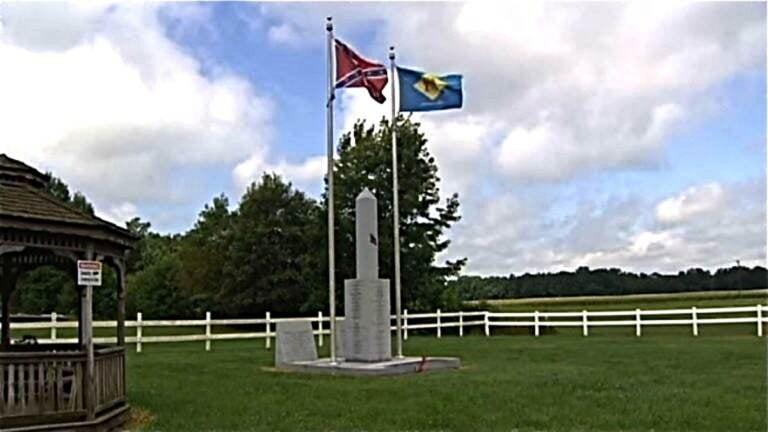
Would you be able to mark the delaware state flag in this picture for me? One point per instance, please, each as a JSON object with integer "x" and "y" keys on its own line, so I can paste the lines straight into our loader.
{"x": 420, "y": 91}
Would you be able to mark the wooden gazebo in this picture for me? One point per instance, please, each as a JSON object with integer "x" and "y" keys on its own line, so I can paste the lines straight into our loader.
{"x": 57, "y": 386}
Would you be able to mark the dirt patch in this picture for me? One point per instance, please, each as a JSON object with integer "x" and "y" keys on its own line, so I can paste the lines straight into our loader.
{"x": 141, "y": 419}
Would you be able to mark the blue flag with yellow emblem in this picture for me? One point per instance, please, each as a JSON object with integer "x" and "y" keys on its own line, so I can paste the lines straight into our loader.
{"x": 421, "y": 91}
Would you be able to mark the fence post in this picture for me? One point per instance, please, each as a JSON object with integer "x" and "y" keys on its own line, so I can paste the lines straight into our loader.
{"x": 461, "y": 324}
{"x": 536, "y": 323}
{"x": 138, "y": 332}
{"x": 207, "y": 331}
{"x": 694, "y": 321}
{"x": 320, "y": 328}
{"x": 759, "y": 320}
{"x": 584, "y": 328}
{"x": 405, "y": 324}
{"x": 53, "y": 325}
{"x": 268, "y": 344}
{"x": 638, "y": 330}
{"x": 487, "y": 325}
{"x": 439, "y": 332}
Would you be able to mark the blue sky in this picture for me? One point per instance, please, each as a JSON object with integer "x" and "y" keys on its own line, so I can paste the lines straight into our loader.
{"x": 621, "y": 135}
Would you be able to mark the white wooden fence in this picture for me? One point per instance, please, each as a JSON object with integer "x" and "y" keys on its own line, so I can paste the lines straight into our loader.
{"x": 693, "y": 317}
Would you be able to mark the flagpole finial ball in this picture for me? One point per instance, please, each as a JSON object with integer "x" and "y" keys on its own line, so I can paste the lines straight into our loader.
{"x": 329, "y": 23}
{"x": 391, "y": 53}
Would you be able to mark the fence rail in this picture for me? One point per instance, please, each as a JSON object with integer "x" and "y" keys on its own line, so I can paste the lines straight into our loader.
{"x": 536, "y": 320}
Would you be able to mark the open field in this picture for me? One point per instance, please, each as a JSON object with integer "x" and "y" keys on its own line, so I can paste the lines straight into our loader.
{"x": 561, "y": 383}
{"x": 628, "y": 302}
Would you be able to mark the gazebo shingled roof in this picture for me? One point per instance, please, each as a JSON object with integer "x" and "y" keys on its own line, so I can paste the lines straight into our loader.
{"x": 36, "y": 228}
{"x": 25, "y": 204}
{"x": 13, "y": 167}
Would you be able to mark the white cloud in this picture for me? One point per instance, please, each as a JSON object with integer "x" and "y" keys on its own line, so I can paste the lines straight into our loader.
{"x": 49, "y": 26}
{"x": 547, "y": 150}
{"x": 101, "y": 96}
{"x": 356, "y": 104}
{"x": 284, "y": 34}
{"x": 525, "y": 152}
{"x": 308, "y": 173}
{"x": 460, "y": 145}
{"x": 310, "y": 170}
{"x": 723, "y": 222}
{"x": 305, "y": 175}
{"x": 519, "y": 233}
{"x": 693, "y": 202}
{"x": 119, "y": 214}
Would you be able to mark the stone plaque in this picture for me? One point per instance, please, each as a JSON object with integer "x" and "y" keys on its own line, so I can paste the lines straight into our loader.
{"x": 367, "y": 335}
{"x": 295, "y": 342}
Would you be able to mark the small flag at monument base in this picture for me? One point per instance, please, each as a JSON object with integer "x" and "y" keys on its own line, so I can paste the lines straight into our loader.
{"x": 420, "y": 91}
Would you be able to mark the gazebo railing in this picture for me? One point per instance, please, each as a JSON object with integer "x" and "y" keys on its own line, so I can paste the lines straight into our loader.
{"x": 109, "y": 374}
{"x": 46, "y": 383}
{"x": 41, "y": 383}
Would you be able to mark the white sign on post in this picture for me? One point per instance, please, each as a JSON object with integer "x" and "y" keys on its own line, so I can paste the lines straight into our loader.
{"x": 89, "y": 273}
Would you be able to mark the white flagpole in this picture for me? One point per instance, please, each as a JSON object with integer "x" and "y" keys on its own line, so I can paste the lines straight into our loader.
{"x": 331, "y": 264}
{"x": 395, "y": 208}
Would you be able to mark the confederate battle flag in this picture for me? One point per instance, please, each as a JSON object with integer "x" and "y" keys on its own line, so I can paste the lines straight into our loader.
{"x": 355, "y": 71}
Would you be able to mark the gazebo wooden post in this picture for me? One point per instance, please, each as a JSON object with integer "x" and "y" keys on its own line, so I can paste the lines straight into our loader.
{"x": 80, "y": 294}
{"x": 5, "y": 288}
{"x": 7, "y": 285}
{"x": 120, "y": 266}
{"x": 87, "y": 334}
{"x": 120, "y": 301}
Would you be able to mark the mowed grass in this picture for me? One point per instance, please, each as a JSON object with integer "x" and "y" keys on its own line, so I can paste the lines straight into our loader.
{"x": 668, "y": 381}
{"x": 701, "y": 299}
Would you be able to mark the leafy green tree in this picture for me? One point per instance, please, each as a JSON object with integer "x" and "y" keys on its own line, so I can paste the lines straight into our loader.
{"x": 57, "y": 188}
{"x": 136, "y": 261}
{"x": 202, "y": 254}
{"x": 152, "y": 290}
{"x": 151, "y": 274}
{"x": 105, "y": 296}
{"x": 605, "y": 282}
{"x": 80, "y": 201}
{"x": 365, "y": 160}
{"x": 60, "y": 190}
{"x": 44, "y": 290}
{"x": 272, "y": 259}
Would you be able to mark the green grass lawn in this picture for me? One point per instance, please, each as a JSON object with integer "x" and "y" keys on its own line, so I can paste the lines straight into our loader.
{"x": 628, "y": 302}
{"x": 563, "y": 382}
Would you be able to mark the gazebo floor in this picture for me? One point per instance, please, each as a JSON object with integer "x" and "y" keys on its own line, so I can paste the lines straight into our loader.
{"x": 111, "y": 420}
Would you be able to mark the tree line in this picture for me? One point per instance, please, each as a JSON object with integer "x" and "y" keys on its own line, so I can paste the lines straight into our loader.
{"x": 612, "y": 281}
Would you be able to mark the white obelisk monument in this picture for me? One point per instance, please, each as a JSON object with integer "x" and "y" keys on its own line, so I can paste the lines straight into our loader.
{"x": 366, "y": 299}
{"x": 365, "y": 333}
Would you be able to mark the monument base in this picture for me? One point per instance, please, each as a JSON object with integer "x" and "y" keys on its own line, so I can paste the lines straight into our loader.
{"x": 367, "y": 334}
{"x": 403, "y": 366}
